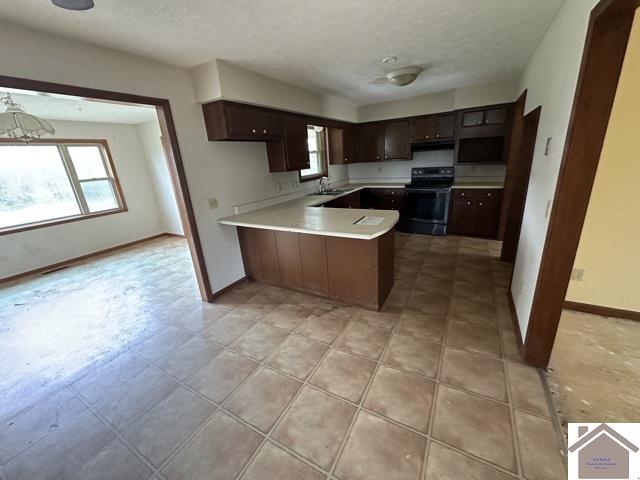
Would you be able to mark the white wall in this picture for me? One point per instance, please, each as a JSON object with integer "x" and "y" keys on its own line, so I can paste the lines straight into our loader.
{"x": 219, "y": 79}
{"x": 40, "y": 247}
{"x": 150, "y": 139}
{"x": 468, "y": 97}
{"x": 550, "y": 80}
{"x": 233, "y": 172}
{"x": 398, "y": 171}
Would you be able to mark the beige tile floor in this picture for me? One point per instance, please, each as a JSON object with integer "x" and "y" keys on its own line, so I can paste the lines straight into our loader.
{"x": 595, "y": 350}
{"x": 113, "y": 369}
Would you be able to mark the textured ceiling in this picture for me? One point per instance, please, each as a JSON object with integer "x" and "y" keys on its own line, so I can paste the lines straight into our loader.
{"x": 332, "y": 46}
{"x": 63, "y": 107}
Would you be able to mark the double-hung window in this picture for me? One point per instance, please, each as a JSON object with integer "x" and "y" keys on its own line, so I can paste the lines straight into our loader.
{"x": 317, "y": 146}
{"x": 44, "y": 183}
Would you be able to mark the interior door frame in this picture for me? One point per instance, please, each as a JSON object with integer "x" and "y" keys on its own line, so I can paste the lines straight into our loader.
{"x": 173, "y": 157}
{"x": 524, "y": 159}
{"x": 603, "y": 56}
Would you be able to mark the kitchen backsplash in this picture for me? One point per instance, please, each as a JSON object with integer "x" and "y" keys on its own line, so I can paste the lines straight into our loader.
{"x": 400, "y": 171}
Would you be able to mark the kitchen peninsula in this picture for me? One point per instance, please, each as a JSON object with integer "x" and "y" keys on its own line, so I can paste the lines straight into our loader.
{"x": 346, "y": 254}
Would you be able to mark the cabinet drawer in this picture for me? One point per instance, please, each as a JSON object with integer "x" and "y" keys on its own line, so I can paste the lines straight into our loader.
{"x": 489, "y": 193}
{"x": 464, "y": 193}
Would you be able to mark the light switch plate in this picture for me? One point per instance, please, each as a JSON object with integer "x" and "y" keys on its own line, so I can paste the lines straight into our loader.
{"x": 213, "y": 203}
{"x": 577, "y": 274}
{"x": 547, "y": 147}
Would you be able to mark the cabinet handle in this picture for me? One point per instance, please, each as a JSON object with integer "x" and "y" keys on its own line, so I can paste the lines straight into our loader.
{"x": 346, "y": 159}
{"x": 264, "y": 131}
{"x": 462, "y": 194}
{"x": 468, "y": 203}
{"x": 488, "y": 194}
{"x": 427, "y": 137}
{"x": 378, "y": 158}
{"x": 480, "y": 203}
{"x": 479, "y": 122}
{"x": 253, "y": 130}
{"x": 437, "y": 135}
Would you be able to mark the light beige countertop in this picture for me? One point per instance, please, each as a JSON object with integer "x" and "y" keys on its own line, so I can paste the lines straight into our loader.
{"x": 476, "y": 184}
{"x": 302, "y": 215}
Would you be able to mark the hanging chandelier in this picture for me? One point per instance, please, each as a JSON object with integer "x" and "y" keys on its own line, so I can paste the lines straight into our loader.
{"x": 20, "y": 125}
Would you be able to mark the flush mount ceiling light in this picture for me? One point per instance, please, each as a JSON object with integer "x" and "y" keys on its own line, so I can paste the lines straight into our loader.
{"x": 20, "y": 125}
{"x": 74, "y": 4}
{"x": 403, "y": 76}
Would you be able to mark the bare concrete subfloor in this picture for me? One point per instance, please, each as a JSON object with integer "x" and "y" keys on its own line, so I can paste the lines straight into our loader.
{"x": 594, "y": 369}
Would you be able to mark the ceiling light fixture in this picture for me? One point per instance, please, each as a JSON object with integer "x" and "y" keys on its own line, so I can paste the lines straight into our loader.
{"x": 403, "y": 76}
{"x": 74, "y": 4}
{"x": 20, "y": 125}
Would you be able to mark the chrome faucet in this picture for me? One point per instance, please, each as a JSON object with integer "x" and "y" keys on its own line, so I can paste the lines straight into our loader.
{"x": 322, "y": 186}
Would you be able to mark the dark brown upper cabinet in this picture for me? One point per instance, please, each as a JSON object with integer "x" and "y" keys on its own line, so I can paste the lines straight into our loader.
{"x": 484, "y": 122}
{"x": 434, "y": 128}
{"x": 370, "y": 140}
{"x": 396, "y": 140}
{"x": 235, "y": 121}
{"x": 342, "y": 145}
{"x": 291, "y": 152}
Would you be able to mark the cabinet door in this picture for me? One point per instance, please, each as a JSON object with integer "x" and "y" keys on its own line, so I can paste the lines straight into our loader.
{"x": 445, "y": 126}
{"x": 266, "y": 243}
{"x": 349, "y": 143}
{"x": 289, "y": 259}
{"x": 396, "y": 141}
{"x": 495, "y": 115}
{"x": 370, "y": 142}
{"x": 487, "y": 217}
{"x": 268, "y": 124}
{"x": 472, "y": 119}
{"x": 313, "y": 261}
{"x": 422, "y": 129}
{"x": 342, "y": 145}
{"x": 462, "y": 217}
{"x": 241, "y": 120}
{"x": 296, "y": 146}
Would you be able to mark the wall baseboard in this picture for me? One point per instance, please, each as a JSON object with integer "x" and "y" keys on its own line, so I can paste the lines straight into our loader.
{"x": 516, "y": 323}
{"x": 231, "y": 286}
{"x": 603, "y": 311}
{"x": 177, "y": 235}
{"x": 64, "y": 263}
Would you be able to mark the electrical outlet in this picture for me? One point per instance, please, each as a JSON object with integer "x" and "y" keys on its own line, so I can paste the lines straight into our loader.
{"x": 279, "y": 186}
{"x": 213, "y": 203}
{"x": 547, "y": 147}
{"x": 293, "y": 184}
{"x": 577, "y": 274}
{"x": 379, "y": 169}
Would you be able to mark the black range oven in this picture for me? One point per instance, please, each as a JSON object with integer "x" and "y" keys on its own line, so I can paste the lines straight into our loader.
{"x": 427, "y": 200}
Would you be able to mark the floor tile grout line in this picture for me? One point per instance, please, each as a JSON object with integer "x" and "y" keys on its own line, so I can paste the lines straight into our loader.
{"x": 333, "y": 345}
{"x": 280, "y": 418}
{"x": 117, "y": 434}
{"x": 360, "y": 405}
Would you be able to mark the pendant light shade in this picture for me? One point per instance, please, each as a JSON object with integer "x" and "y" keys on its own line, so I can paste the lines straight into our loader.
{"x": 18, "y": 124}
{"x": 74, "y": 4}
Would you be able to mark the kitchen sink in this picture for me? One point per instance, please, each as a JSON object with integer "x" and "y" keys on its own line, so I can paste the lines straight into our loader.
{"x": 336, "y": 191}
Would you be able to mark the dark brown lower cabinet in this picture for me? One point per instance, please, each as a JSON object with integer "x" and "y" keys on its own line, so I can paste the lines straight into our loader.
{"x": 475, "y": 212}
{"x": 353, "y": 271}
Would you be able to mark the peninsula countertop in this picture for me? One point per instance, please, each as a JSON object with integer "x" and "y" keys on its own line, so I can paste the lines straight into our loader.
{"x": 304, "y": 215}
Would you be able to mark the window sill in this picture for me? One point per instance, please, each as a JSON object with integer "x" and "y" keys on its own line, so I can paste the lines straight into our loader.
{"x": 58, "y": 221}
{"x": 311, "y": 178}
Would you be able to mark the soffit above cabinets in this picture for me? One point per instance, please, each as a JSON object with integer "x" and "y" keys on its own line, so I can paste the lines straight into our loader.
{"x": 331, "y": 47}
